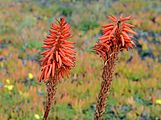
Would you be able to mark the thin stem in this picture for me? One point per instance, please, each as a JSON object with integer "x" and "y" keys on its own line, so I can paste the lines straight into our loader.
{"x": 106, "y": 84}
{"x": 51, "y": 89}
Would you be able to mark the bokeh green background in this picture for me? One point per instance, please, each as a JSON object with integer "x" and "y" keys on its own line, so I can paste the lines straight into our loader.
{"x": 136, "y": 89}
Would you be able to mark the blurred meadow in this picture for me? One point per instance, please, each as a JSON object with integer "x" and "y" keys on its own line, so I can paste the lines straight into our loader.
{"x": 136, "y": 88}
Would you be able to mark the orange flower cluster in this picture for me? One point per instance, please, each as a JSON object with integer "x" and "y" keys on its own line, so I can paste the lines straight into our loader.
{"x": 115, "y": 35}
{"x": 59, "y": 55}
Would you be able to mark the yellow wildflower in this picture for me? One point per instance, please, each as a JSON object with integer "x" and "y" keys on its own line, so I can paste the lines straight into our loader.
{"x": 158, "y": 101}
{"x": 37, "y": 117}
{"x": 30, "y": 76}
{"x": 8, "y": 81}
{"x": 9, "y": 87}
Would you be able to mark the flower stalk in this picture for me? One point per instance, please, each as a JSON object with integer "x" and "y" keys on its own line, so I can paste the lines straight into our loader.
{"x": 51, "y": 91}
{"x": 115, "y": 38}
{"x": 59, "y": 58}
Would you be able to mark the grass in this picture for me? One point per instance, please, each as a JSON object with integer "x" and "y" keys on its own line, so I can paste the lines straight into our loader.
{"x": 136, "y": 86}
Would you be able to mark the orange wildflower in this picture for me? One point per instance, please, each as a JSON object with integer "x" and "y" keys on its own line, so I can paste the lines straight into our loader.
{"x": 59, "y": 55}
{"x": 115, "y": 34}
{"x": 58, "y": 58}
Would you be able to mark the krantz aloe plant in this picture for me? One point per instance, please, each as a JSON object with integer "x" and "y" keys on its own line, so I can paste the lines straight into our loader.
{"x": 116, "y": 37}
{"x": 58, "y": 59}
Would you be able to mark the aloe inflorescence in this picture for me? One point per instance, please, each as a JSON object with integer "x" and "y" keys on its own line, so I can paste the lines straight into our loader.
{"x": 58, "y": 58}
{"x": 116, "y": 36}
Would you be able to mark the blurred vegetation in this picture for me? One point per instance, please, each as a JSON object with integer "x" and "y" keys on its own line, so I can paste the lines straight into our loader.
{"x": 136, "y": 88}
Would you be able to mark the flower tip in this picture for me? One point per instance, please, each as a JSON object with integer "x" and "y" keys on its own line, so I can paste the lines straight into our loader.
{"x": 62, "y": 19}
{"x": 112, "y": 18}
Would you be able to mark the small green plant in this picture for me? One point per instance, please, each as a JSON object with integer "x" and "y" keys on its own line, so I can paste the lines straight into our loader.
{"x": 66, "y": 11}
{"x": 87, "y": 25}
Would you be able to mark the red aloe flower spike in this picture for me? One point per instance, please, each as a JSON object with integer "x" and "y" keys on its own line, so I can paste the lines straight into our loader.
{"x": 58, "y": 59}
{"x": 115, "y": 38}
{"x": 57, "y": 45}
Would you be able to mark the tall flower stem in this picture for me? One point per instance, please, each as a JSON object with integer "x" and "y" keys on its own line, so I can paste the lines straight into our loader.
{"x": 116, "y": 37}
{"x": 58, "y": 59}
{"x": 50, "y": 98}
{"x": 106, "y": 84}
